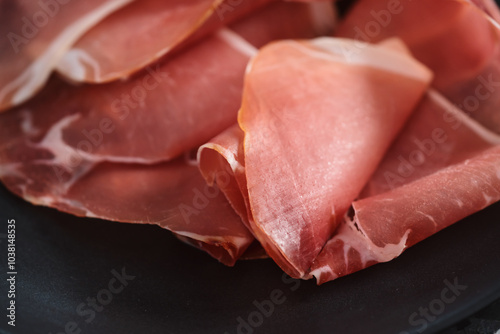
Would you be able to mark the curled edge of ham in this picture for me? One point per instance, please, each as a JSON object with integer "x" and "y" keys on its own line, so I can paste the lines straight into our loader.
{"x": 81, "y": 63}
{"x": 34, "y": 76}
{"x": 378, "y": 231}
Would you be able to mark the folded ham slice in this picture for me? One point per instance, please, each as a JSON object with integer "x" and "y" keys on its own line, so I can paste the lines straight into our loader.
{"x": 309, "y": 117}
{"x": 456, "y": 39}
{"x": 443, "y": 167}
{"x": 35, "y": 36}
{"x": 112, "y": 50}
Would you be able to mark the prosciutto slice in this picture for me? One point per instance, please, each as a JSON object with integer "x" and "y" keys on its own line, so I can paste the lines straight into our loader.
{"x": 443, "y": 167}
{"x": 172, "y": 195}
{"x": 457, "y": 40}
{"x": 35, "y": 36}
{"x": 112, "y": 50}
{"x": 307, "y": 128}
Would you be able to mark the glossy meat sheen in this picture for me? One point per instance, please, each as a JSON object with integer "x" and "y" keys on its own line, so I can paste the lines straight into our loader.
{"x": 454, "y": 38}
{"x": 305, "y": 138}
{"x": 35, "y": 35}
{"x": 112, "y": 50}
{"x": 454, "y": 171}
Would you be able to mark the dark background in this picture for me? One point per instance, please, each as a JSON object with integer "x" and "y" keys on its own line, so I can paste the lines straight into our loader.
{"x": 63, "y": 260}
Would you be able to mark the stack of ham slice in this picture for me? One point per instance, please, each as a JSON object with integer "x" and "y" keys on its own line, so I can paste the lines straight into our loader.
{"x": 235, "y": 123}
{"x": 116, "y": 151}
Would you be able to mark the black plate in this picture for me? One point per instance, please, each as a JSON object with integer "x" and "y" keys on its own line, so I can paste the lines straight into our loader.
{"x": 63, "y": 260}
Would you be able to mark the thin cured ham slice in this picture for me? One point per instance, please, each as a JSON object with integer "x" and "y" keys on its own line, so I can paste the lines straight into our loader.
{"x": 169, "y": 107}
{"x": 35, "y": 36}
{"x": 447, "y": 167}
{"x": 172, "y": 195}
{"x": 112, "y": 50}
{"x": 309, "y": 115}
{"x": 455, "y": 39}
